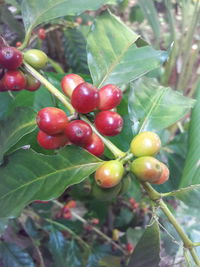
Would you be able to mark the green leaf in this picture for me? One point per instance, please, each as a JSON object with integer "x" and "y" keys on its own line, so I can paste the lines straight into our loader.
{"x": 113, "y": 56}
{"x": 75, "y": 50}
{"x": 29, "y": 176}
{"x": 40, "y": 11}
{"x": 14, "y": 127}
{"x": 13, "y": 256}
{"x": 189, "y": 195}
{"x": 65, "y": 253}
{"x": 5, "y": 102}
{"x": 58, "y": 247}
{"x": 191, "y": 172}
{"x": 147, "y": 251}
{"x": 150, "y": 13}
{"x": 153, "y": 107}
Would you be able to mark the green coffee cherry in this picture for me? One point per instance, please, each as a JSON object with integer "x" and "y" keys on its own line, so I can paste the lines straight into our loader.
{"x": 109, "y": 174}
{"x": 145, "y": 144}
{"x": 36, "y": 58}
{"x": 147, "y": 169}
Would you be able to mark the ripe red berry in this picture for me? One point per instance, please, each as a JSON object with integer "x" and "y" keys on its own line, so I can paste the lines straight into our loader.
{"x": 10, "y": 58}
{"x": 109, "y": 123}
{"x": 95, "y": 221}
{"x": 18, "y": 44}
{"x": 78, "y": 132}
{"x": 14, "y": 80}
{"x": 32, "y": 84}
{"x": 95, "y": 146}
{"x": 52, "y": 120}
{"x": 70, "y": 82}
{"x": 70, "y": 205}
{"x": 41, "y": 33}
{"x": 67, "y": 215}
{"x": 51, "y": 142}
{"x": 85, "y": 98}
{"x": 129, "y": 247}
{"x": 109, "y": 97}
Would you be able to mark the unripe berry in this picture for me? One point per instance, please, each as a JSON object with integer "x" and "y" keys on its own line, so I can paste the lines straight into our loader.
{"x": 51, "y": 142}
{"x": 10, "y": 58}
{"x": 36, "y": 58}
{"x": 32, "y": 84}
{"x": 52, "y": 120}
{"x": 14, "y": 80}
{"x": 79, "y": 20}
{"x": 164, "y": 175}
{"x": 147, "y": 169}
{"x": 85, "y": 98}
{"x": 108, "y": 123}
{"x": 41, "y": 33}
{"x": 109, "y": 174}
{"x": 78, "y": 132}
{"x": 145, "y": 144}
{"x": 95, "y": 146}
{"x": 109, "y": 97}
{"x": 70, "y": 82}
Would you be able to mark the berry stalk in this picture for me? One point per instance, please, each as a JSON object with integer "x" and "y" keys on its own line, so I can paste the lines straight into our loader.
{"x": 115, "y": 150}
{"x": 50, "y": 87}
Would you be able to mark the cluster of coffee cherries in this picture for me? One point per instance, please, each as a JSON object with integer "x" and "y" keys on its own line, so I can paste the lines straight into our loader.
{"x": 12, "y": 77}
{"x": 145, "y": 166}
{"x": 57, "y": 131}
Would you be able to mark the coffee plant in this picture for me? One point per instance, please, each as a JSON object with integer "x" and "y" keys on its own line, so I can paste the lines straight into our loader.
{"x": 99, "y": 134}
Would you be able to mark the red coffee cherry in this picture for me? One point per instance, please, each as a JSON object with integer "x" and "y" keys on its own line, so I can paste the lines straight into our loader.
{"x": 95, "y": 146}
{"x": 129, "y": 247}
{"x": 32, "y": 84}
{"x": 109, "y": 174}
{"x": 41, "y": 33}
{"x": 18, "y": 44}
{"x": 70, "y": 82}
{"x": 52, "y": 120}
{"x": 10, "y": 58}
{"x": 85, "y": 98}
{"x": 164, "y": 175}
{"x": 109, "y": 123}
{"x": 109, "y": 97}
{"x": 51, "y": 142}
{"x": 14, "y": 80}
{"x": 78, "y": 132}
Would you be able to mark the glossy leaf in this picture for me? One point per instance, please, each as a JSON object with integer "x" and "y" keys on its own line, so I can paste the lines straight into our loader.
{"x": 189, "y": 195}
{"x": 65, "y": 253}
{"x": 13, "y": 256}
{"x": 14, "y": 127}
{"x": 113, "y": 56}
{"x": 147, "y": 250}
{"x": 40, "y": 11}
{"x": 29, "y": 176}
{"x": 75, "y": 50}
{"x": 191, "y": 172}
{"x": 153, "y": 107}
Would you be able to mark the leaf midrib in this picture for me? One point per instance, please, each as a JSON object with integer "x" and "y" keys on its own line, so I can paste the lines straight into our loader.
{"x": 115, "y": 62}
{"x": 46, "y": 175}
